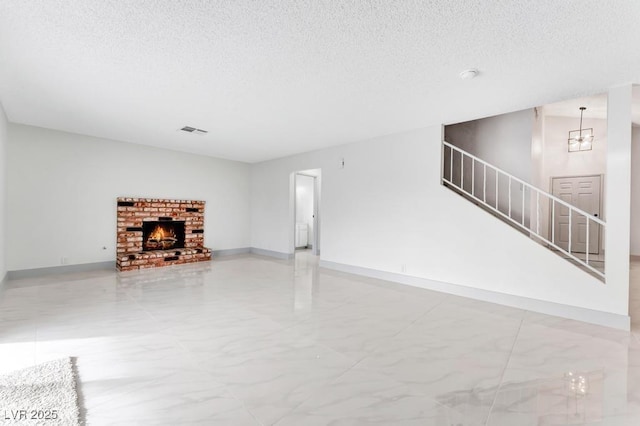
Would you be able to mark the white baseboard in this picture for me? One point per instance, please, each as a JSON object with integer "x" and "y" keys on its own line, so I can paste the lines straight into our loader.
{"x": 62, "y": 269}
{"x": 271, "y": 253}
{"x": 231, "y": 252}
{"x": 607, "y": 319}
{"x": 253, "y": 250}
{"x": 111, "y": 265}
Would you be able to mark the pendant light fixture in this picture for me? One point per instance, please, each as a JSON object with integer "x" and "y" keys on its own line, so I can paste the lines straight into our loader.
{"x": 582, "y": 139}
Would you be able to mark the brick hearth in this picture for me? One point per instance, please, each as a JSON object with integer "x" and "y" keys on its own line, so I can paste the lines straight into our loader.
{"x": 132, "y": 212}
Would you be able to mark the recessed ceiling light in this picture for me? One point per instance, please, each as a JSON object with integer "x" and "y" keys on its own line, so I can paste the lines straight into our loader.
{"x": 469, "y": 74}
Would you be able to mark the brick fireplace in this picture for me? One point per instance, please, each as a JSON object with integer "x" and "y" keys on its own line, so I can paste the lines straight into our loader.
{"x": 158, "y": 232}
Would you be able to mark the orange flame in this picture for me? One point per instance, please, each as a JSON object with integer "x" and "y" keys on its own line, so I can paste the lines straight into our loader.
{"x": 159, "y": 233}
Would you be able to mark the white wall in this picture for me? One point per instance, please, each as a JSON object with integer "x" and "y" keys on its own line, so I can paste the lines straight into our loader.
{"x": 304, "y": 203}
{"x": 635, "y": 191}
{"x": 62, "y": 191}
{"x": 3, "y": 191}
{"x": 386, "y": 209}
{"x": 618, "y": 190}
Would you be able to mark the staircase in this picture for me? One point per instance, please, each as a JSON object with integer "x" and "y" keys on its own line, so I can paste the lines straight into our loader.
{"x": 563, "y": 228}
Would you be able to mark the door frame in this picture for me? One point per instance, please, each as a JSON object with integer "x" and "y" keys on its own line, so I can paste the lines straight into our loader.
{"x": 600, "y": 248}
{"x": 316, "y": 211}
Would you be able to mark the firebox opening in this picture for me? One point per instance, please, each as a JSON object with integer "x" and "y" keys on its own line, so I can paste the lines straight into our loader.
{"x": 163, "y": 235}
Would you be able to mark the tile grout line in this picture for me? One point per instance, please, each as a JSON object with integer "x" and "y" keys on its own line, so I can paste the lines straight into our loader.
{"x": 190, "y": 354}
{"x": 191, "y": 358}
{"x": 360, "y": 360}
{"x": 504, "y": 370}
{"x": 175, "y": 341}
{"x": 426, "y": 313}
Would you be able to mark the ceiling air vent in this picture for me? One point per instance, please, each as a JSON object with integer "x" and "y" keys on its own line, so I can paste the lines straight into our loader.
{"x": 194, "y": 130}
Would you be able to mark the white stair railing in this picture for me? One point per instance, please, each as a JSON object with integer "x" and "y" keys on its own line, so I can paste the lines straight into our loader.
{"x": 493, "y": 188}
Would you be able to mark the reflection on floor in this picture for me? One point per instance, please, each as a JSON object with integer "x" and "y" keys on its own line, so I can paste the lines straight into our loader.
{"x": 252, "y": 340}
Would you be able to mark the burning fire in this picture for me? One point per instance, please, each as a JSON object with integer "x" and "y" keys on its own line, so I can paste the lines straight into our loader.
{"x": 159, "y": 234}
{"x": 161, "y": 238}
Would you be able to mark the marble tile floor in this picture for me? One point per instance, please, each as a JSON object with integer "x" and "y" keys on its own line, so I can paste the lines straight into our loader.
{"x": 250, "y": 340}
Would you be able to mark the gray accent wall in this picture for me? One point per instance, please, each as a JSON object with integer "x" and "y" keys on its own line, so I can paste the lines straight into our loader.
{"x": 503, "y": 141}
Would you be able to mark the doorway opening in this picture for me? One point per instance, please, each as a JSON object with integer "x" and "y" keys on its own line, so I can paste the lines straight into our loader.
{"x": 306, "y": 211}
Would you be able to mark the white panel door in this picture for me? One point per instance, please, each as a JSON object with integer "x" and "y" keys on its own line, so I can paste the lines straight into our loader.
{"x": 582, "y": 192}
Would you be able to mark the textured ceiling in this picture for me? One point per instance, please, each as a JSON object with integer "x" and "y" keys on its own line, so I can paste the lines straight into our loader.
{"x": 271, "y": 78}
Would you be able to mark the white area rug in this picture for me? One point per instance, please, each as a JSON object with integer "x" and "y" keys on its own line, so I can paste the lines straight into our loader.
{"x": 41, "y": 395}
